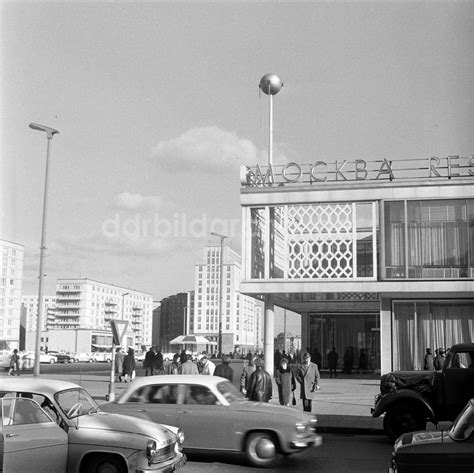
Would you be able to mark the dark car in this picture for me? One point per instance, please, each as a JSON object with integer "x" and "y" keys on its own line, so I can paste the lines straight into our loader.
{"x": 61, "y": 357}
{"x": 411, "y": 398}
{"x": 438, "y": 452}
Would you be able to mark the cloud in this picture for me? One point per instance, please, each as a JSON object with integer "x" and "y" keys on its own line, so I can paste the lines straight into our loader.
{"x": 208, "y": 147}
{"x": 138, "y": 202}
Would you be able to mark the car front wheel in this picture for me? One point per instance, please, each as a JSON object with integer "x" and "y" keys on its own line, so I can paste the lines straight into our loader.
{"x": 104, "y": 464}
{"x": 261, "y": 450}
{"x": 402, "y": 419}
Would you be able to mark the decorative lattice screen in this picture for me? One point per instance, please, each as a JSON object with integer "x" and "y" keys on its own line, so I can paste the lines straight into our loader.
{"x": 320, "y": 241}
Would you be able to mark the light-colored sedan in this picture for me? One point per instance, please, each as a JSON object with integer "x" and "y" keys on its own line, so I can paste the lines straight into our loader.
{"x": 217, "y": 418}
{"x": 50, "y": 426}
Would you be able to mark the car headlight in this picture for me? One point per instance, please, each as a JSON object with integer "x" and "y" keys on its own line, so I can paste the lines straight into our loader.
{"x": 150, "y": 449}
{"x": 180, "y": 436}
{"x": 300, "y": 427}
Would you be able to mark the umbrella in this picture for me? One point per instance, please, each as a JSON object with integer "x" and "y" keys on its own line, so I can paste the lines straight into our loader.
{"x": 191, "y": 340}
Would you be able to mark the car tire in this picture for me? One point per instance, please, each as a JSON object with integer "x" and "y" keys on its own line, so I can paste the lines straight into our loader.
{"x": 51, "y": 361}
{"x": 104, "y": 464}
{"x": 401, "y": 419}
{"x": 261, "y": 449}
{"x": 91, "y": 360}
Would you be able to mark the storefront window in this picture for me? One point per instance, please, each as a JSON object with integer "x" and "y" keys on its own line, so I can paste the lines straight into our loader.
{"x": 429, "y": 239}
{"x": 418, "y": 325}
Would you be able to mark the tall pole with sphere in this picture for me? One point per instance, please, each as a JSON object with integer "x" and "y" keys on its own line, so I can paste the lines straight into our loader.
{"x": 270, "y": 84}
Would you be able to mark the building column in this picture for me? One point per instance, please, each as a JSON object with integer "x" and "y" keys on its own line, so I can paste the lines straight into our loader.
{"x": 269, "y": 332}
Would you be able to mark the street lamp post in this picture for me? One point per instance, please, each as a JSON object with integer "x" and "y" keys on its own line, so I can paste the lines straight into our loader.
{"x": 50, "y": 132}
{"x": 221, "y": 290}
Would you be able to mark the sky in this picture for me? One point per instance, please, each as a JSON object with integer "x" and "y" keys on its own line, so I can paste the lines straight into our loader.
{"x": 158, "y": 106}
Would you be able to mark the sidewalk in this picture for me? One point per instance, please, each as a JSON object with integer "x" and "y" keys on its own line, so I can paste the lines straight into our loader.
{"x": 342, "y": 407}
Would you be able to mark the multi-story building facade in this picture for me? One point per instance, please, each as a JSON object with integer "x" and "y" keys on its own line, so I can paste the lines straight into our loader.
{"x": 376, "y": 255}
{"x": 30, "y": 304}
{"x": 173, "y": 319}
{"x": 288, "y": 342}
{"x": 88, "y": 304}
{"x": 10, "y": 294}
{"x": 238, "y": 311}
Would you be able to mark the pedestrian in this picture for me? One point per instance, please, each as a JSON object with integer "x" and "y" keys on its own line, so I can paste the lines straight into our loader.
{"x": 14, "y": 363}
{"x": 363, "y": 361}
{"x": 224, "y": 370}
{"x": 149, "y": 361}
{"x": 332, "y": 357}
{"x": 429, "y": 360}
{"x": 285, "y": 381}
{"x": 245, "y": 376}
{"x": 173, "y": 367}
{"x": 158, "y": 362}
{"x": 118, "y": 364}
{"x": 308, "y": 377}
{"x": 276, "y": 358}
{"x": 129, "y": 365}
{"x": 348, "y": 360}
{"x": 207, "y": 366}
{"x": 182, "y": 357}
{"x": 188, "y": 367}
{"x": 317, "y": 357}
{"x": 260, "y": 384}
{"x": 439, "y": 359}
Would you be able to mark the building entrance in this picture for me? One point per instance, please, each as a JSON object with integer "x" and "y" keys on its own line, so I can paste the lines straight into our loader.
{"x": 351, "y": 335}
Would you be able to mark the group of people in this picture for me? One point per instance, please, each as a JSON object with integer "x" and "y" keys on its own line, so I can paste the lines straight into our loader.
{"x": 256, "y": 382}
{"x": 434, "y": 361}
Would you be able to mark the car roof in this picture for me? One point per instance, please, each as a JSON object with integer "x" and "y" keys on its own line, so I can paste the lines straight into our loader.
{"x": 201, "y": 379}
{"x": 39, "y": 385}
{"x": 463, "y": 347}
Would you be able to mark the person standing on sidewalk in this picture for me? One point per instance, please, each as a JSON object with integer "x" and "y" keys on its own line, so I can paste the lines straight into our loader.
{"x": 207, "y": 366}
{"x": 260, "y": 386}
{"x": 285, "y": 381}
{"x": 333, "y": 357}
{"x": 158, "y": 362}
{"x": 246, "y": 373}
{"x": 129, "y": 365}
{"x": 308, "y": 377}
{"x": 14, "y": 364}
{"x": 149, "y": 362}
{"x": 118, "y": 364}
{"x": 224, "y": 370}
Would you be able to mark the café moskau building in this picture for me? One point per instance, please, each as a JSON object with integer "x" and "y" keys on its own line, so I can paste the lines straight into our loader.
{"x": 376, "y": 254}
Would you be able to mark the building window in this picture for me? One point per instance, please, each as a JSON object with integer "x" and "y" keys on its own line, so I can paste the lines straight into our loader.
{"x": 431, "y": 239}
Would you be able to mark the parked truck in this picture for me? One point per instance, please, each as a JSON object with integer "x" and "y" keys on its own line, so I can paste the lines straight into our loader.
{"x": 410, "y": 399}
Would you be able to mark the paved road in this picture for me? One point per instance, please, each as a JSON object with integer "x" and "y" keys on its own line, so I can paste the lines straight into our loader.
{"x": 338, "y": 454}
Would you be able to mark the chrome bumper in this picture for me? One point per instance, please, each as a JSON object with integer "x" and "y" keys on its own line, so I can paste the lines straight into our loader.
{"x": 313, "y": 441}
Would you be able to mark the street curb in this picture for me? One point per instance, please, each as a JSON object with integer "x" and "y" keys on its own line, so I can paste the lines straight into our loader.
{"x": 321, "y": 429}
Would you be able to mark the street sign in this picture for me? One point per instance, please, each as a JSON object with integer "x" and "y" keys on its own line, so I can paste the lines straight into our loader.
{"x": 119, "y": 327}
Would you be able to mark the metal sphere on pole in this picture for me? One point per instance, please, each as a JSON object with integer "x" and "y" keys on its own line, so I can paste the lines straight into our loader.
{"x": 221, "y": 290}
{"x": 270, "y": 84}
{"x": 50, "y": 132}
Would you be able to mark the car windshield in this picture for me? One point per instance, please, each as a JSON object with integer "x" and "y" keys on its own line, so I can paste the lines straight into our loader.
{"x": 75, "y": 402}
{"x": 463, "y": 426}
{"x": 229, "y": 391}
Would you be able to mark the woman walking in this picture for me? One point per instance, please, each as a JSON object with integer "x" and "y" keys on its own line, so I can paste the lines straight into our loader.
{"x": 129, "y": 365}
{"x": 285, "y": 381}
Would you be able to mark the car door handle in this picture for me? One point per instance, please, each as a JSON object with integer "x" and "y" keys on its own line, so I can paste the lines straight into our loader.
{"x": 12, "y": 435}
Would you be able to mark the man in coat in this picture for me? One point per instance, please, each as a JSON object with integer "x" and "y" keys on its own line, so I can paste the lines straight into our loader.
{"x": 149, "y": 362}
{"x": 188, "y": 367}
{"x": 207, "y": 366}
{"x": 308, "y": 377}
{"x": 333, "y": 357}
{"x": 260, "y": 386}
{"x": 245, "y": 377}
{"x": 224, "y": 370}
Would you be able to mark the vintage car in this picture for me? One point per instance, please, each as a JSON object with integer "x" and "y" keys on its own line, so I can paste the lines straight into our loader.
{"x": 411, "y": 398}
{"x": 55, "y": 426}
{"x": 61, "y": 357}
{"x": 217, "y": 418}
{"x": 438, "y": 451}
{"x": 83, "y": 357}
